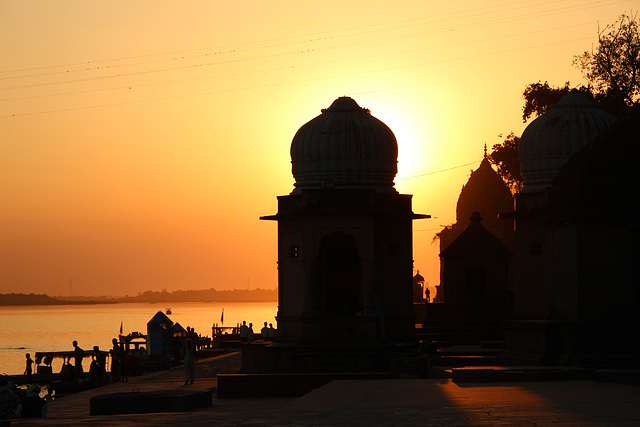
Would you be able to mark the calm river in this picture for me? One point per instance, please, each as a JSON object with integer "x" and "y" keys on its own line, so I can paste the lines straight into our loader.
{"x": 28, "y": 329}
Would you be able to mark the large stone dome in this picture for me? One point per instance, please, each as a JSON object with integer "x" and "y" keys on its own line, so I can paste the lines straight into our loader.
{"x": 551, "y": 139}
{"x": 600, "y": 182}
{"x": 344, "y": 147}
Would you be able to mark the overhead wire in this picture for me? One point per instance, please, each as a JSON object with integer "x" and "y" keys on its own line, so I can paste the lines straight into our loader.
{"x": 317, "y": 36}
{"x": 438, "y": 171}
{"x": 360, "y": 72}
{"x": 333, "y": 46}
{"x": 430, "y": 47}
{"x": 303, "y": 37}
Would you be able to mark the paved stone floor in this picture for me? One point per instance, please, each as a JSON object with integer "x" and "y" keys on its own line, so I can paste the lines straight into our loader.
{"x": 407, "y": 402}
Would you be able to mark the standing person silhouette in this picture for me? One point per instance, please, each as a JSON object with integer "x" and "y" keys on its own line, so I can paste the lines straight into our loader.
{"x": 78, "y": 355}
{"x": 272, "y": 332}
{"x": 29, "y": 368}
{"x": 250, "y": 334}
{"x": 189, "y": 361}
{"x": 191, "y": 333}
{"x": 115, "y": 360}
{"x": 123, "y": 364}
{"x": 265, "y": 332}
{"x": 98, "y": 366}
{"x": 244, "y": 330}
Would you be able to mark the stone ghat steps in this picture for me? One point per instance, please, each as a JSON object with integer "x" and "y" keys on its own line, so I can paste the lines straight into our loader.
{"x": 466, "y": 350}
{"x": 140, "y": 402}
{"x": 517, "y": 374}
{"x": 461, "y": 335}
{"x": 278, "y": 385}
{"x": 597, "y": 348}
{"x": 496, "y": 374}
{"x": 466, "y": 355}
{"x": 605, "y": 359}
{"x": 464, "y": 361}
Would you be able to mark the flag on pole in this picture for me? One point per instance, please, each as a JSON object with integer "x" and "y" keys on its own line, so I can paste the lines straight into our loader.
{"x": 121, "y": 327}
{"x": 222, "y": 317}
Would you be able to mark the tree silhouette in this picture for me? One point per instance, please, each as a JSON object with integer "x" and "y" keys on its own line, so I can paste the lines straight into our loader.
{"x": 505, "y": 157}
{"x": 612, "y": 71}
{"x": 539, "y": 97}
{"x": 613, "y": 67}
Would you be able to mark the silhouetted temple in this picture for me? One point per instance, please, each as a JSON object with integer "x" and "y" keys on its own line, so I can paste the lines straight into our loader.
{"x": 344, "y": 245}
{"x": 475, "y": 294}
{"x": 577, "y": 295}
{"x": 487, "y": 193}
{"x": 475, "y": 267}
{"x": 418, "y": 288}
{"x": 557, "y": 278}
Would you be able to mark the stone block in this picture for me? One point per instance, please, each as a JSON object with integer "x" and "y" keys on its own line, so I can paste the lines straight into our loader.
{"x": 149, "y": 401}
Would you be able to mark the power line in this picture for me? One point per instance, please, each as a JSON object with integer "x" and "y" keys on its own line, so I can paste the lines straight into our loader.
{"x": 194, "y": 66}
{"x": 438, "y": 171}
{"x": 262, "y": 70}
{"x": 282, "y": 83}
{"x": 302, "y": 36}
{"x": 218, "y": 51}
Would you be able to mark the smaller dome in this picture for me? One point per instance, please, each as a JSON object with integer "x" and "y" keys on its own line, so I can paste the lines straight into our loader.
{"x": 485, "y": 191}
{"x": 344, "y": 147}
{"x": 551, "y": 139}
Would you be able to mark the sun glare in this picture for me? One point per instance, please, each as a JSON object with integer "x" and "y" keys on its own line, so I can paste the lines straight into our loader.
{"x": 412, "y": 136}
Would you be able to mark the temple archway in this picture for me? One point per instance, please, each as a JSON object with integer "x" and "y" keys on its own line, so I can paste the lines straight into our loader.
{"x": 340, "y": 275}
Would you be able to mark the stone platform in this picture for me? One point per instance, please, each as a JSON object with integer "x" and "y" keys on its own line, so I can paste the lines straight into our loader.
{"x": 149, "y": 401}
{"x": 379, "y": 402}
{"x": 279, "y": 385}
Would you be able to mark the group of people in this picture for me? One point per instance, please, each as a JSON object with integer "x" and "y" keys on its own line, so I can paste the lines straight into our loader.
{"x": 16, "y": 403}
{"x": 268, "y": 333}
{"x": 98, "y": 369}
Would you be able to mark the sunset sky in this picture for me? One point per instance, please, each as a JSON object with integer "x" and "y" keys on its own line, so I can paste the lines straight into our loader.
{"x": 140, "y": 141}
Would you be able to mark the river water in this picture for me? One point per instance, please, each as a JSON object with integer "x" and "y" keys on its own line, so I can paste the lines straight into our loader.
{"x": 27, "y": 329}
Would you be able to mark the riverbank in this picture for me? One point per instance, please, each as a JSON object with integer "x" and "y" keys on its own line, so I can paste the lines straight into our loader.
{"x": 409, "y": 402}
{"x": 164, "y": 297}
{"x": 32, "y": 329}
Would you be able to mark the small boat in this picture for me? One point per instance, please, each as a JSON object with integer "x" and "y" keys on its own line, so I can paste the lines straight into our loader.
{"x": 167, "y": 311}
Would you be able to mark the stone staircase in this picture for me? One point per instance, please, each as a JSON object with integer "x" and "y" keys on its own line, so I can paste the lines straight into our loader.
{"x": 479, "y": 364}
{"x": 611, "y": 355}
{"x": 618, "y": 349}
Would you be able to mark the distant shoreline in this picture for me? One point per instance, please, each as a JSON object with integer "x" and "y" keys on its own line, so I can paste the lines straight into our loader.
{"x": 61, "y": 302}
{"x": 209, "y": 295}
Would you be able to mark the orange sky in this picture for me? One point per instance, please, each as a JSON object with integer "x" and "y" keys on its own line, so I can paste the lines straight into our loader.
{"x": 140, "y": 141}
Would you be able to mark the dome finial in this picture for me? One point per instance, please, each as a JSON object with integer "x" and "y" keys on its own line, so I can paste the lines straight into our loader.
{"x": 485, "y": 150}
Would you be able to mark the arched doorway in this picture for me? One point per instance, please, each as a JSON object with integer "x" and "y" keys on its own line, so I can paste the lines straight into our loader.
{"x": 340, "y": 275}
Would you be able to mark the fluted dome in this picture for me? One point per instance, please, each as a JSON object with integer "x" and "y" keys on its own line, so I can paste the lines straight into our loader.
{"x": 551, "y": 139}
{"x": 600, "y": 183}
{"x": 344, "y": 147}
